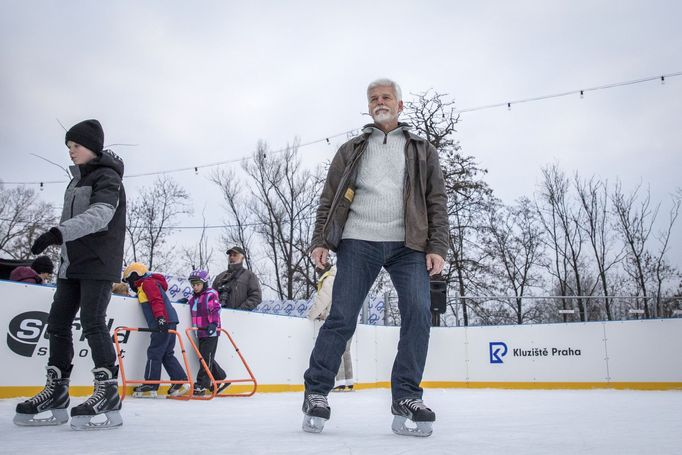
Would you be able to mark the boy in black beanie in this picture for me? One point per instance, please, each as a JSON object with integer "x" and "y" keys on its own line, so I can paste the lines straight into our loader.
{"x": 91, "y": 234}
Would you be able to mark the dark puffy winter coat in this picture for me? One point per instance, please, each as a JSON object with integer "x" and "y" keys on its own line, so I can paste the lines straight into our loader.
{"x": 93, "y": 220}
{"x": 238, "y": 288}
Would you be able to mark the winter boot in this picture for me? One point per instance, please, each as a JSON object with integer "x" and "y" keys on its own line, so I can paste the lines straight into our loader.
{"x": 54, "y": 397}
{"x": 223, "y": 386}
{"x": 415, "y": 410}
{"x": 145, "y": 391}
{"x": 178, "y": 390}
{"x": 317, "y": 412}
{"x": 104, "y": 400}
{"x": 199, "y": 390}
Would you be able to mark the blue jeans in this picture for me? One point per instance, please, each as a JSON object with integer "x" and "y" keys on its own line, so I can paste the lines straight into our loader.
{"x": 358, "y": 264}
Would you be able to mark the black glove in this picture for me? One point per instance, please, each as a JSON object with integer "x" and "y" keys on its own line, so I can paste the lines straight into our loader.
{"x": 51, "y": 237}
{"x": 211, "y": 328}
{"x": 163, "y": 325}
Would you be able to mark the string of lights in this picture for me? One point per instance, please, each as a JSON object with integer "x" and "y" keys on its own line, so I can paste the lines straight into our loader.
{"x": 349, "y": 133}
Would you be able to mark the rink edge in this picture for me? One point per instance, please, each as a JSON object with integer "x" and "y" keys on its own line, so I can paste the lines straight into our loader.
{"x": 27, "y": 391}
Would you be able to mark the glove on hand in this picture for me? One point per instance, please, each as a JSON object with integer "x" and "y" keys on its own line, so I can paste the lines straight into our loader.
{"x": 163, "y": 325}
{"x": 51, "y": 237}
{"x": 211, "y": 328}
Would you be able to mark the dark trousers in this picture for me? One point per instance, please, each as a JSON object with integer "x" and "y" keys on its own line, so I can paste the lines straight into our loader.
{"x": 92, "y": 298}
{"x": 207, "y": 349}
{"x": 161, "y": 352}
{"x": 358, "y": 263}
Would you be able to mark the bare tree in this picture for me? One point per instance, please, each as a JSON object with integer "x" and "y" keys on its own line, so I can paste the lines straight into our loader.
{"x": 515, "y": 247}
{"x": 23, "y": 217}
{"x": 433, "y": 116}
{"x": 593, "y": 196}
{"x": 661, "y": 269}
{"x": 198, "y": 256}
{"x": 151, "y": 218}
{"x": 634, "y": 222}
{"x": 279, "y": 209}
{"x": 562, "y": 221}
{"x": 241, "y": 221}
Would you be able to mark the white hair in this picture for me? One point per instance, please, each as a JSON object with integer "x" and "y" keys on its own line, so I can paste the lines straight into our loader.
{"x": 385, "y": 82}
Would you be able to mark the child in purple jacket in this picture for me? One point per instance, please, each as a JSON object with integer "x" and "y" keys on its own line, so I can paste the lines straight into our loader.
{"x": 204, "y": 306}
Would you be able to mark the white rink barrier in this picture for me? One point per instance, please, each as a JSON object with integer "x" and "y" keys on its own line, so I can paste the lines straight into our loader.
{"x": 630, "y": 354}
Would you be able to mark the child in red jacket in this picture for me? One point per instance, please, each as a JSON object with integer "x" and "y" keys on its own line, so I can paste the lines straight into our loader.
{"x": 161, "y": 316}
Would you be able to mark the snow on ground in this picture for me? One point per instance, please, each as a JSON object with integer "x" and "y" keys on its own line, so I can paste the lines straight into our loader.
{"x": 479, "y": 421}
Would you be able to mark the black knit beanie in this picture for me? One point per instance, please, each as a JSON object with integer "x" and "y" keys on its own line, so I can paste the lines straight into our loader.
{"x": 42, "y": 264}
{"x": 88, "y": 133}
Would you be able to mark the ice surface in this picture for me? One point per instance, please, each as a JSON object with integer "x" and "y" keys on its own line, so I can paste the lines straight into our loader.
{"x": 479, "y": 421}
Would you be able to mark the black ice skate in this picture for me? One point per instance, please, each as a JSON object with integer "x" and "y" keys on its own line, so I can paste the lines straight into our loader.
{"x": 104, "y": 400}
{"x": 317, "y": 412}
{"x": 145, "y": 391}
{"x": 54, "y": 397}
{"x": 415, "y": 410}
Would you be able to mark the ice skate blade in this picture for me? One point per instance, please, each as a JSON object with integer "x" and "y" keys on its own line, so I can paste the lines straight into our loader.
{"x": 113, "y": 420}
{"x": 420, "y": 429}
{"x": 312, "y": 424}
{"x": 58, "y": 417}
{"x": 151, "y": 394}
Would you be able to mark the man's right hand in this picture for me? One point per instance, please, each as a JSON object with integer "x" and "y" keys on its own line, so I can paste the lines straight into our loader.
{"x": 319, "y": 256}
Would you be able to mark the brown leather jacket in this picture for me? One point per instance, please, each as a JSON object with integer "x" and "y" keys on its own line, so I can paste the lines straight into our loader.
{"x": 426, "y": 218}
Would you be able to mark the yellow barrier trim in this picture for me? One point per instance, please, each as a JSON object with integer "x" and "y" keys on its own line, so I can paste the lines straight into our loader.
{"x": 76, "y": 391}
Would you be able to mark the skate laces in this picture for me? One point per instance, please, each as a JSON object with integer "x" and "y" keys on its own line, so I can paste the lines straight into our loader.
{"x": 46, "y": 393}
{"x": 317, "y": 400}
{"x": 98, "y": 393}
{"x": 413, "y": 404}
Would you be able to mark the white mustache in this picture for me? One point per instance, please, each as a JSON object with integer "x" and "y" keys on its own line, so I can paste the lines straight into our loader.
{"x": 380, "y": 108}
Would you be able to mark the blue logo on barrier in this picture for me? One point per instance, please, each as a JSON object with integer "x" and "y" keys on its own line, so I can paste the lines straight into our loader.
{"x": 495, "y": 354}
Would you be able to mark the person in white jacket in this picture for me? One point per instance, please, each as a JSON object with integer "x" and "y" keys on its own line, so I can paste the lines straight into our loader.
{"x": 320, "y": 310}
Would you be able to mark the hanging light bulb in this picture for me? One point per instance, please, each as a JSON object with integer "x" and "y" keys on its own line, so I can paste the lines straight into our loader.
{"x": 509, "y": 106}
{"x": 662, "y": 80}
{"x": 196, "y": 170}
{"x": 41, "y": 186}
{"x": 582, "y": 94}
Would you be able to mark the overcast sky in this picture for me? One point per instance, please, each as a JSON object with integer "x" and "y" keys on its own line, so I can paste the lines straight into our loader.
{"x": 198, "y": 82}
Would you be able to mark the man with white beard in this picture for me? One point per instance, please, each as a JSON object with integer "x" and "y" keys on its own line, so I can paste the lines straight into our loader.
{"x": 383, "y": 205}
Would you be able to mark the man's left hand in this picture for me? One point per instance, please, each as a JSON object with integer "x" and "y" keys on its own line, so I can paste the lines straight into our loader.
{"x": 434, "y": 263}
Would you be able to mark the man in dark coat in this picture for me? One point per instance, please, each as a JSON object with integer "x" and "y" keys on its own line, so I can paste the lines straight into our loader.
{"x": 238, "y": 286}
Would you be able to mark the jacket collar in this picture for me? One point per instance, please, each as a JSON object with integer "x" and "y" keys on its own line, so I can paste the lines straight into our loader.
{"x": 368, "y": 128}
